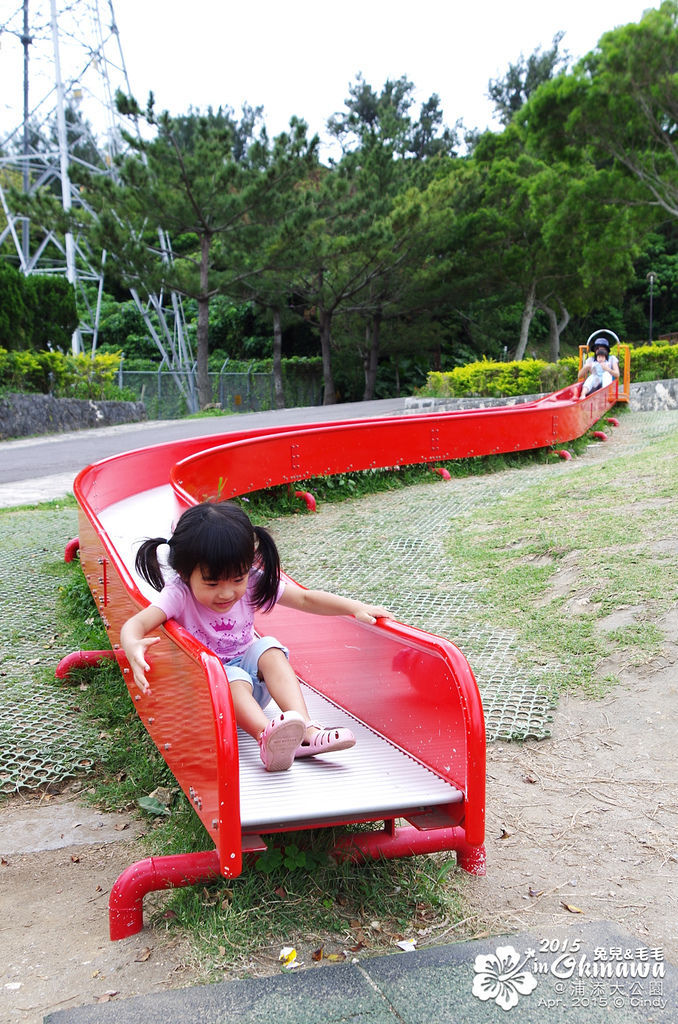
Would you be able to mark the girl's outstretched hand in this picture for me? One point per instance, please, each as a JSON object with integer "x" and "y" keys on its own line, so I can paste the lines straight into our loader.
{"x": 371, "y": 612}
{"x": 136, "y": 656}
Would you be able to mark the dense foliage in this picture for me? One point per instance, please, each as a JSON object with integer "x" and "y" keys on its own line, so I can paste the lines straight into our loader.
{"x": 536, "y": 376}
{"x": 410, "y": 250}
{"x": 36, "y": 312}
{"x": 64, "y": 376}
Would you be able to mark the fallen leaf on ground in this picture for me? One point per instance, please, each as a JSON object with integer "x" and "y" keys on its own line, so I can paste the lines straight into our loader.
{"x": 143, "y": 955}
{"x": 105, "y": 998}
{"x": 572, "y": 909}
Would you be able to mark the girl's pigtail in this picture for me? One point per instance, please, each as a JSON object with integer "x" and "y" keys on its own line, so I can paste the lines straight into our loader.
{"x": 267, "y": 561}
{"x": 146, "y": 562}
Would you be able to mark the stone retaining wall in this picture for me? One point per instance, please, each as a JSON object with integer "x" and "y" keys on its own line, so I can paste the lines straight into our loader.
{"x": 646, "y": 396}
{"x": 30, "y": 415}
{"x": 654, "y": 395}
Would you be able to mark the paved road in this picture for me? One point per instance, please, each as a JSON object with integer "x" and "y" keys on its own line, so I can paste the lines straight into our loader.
{"x": 40, "y": 468}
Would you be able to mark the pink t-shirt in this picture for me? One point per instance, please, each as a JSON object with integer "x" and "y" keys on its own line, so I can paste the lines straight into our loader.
{"x": 228, "y": 635}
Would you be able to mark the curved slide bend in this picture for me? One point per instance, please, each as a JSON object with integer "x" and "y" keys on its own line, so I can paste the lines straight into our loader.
{"x": 411, "y": 698}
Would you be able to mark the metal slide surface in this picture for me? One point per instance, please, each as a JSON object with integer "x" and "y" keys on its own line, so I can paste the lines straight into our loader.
{"x": 370, "y": 782}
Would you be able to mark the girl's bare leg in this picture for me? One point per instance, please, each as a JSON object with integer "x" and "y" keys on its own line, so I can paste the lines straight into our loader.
{"x": 248, "y": 715}
{"x": 283, "y": 685}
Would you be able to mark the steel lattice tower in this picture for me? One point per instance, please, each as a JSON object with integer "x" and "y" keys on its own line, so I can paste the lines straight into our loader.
{"x": 60, "y": 106}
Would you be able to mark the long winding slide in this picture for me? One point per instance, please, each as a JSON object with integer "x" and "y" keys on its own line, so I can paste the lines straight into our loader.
{"x": 418, "y": 769}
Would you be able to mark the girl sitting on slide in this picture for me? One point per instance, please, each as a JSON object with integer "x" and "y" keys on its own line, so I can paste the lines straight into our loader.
{"x": 225, "y": 569}
{"x": 599, "y": 369}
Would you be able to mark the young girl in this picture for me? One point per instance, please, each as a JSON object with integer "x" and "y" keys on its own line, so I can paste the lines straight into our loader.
{"x": 224, "y": 570}
{"x": 599, "y": 369}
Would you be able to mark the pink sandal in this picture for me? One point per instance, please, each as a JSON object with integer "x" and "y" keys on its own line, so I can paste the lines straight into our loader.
{"x": 279, "y": 741}
{"x": 325, "y": 741}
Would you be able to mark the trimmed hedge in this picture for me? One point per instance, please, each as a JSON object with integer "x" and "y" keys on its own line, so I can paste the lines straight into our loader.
{"x": 496, "y": 380}
{"x": 488, "y": 379}
{"x": 63, "y": 376}
{"x": 654, "y": 362}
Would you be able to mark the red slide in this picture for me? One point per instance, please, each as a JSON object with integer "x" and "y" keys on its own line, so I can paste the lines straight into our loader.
{"x": 418, "y": 768}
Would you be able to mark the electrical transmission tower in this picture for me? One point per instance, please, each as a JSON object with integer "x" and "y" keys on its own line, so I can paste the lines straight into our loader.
{"x": 65, "y": 62}
{"x": 62, "y": 64}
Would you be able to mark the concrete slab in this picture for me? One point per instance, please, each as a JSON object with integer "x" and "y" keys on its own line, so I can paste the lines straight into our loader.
{"x": 340, "y": 993}
{"x": 585, "y": 975}
{"x": 33, "y": 826}
{"x": 32, "y": 492}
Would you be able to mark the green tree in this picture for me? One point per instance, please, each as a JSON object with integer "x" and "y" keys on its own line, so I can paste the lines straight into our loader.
{"x": 36, "y": 312}
{"x": 510, "y": 93}
{"x": 621, "y": 103}
{"x": 388, "y": 156}
{"x": 203, "y": 181}
{"x": 15, "y": 315}
{"x": 520, "y": 227}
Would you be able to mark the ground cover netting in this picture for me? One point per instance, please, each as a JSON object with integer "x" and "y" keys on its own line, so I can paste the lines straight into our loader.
{"x": 43, "y": 737}
{"x": 394, "y": 548}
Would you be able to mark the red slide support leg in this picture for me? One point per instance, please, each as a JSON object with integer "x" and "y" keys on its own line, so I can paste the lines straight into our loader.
{"x": 80, "y": 659}
{"x": 126, "y": 902}
{"x": 71, "y": 549}
{"x": 407, "y": 841}
{"x": 307, "y": 498}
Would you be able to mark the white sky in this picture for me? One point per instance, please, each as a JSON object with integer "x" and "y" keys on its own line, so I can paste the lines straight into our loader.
{"x": 299, "y": 57}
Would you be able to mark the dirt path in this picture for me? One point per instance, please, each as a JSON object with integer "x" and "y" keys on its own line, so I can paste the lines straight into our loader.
{"x": 588, "y": 819}
{"x": 54, "y": 946}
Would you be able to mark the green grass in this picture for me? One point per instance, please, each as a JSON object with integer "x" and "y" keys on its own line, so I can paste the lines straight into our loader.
{"x": 273, "y": 502}
{"x": 607, "y": 525}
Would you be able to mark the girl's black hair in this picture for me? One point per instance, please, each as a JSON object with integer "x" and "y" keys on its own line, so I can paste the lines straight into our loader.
{"x": 221, "y": 540}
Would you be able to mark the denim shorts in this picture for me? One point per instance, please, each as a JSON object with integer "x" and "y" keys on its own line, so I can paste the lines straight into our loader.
{"x": 246, "y": 666}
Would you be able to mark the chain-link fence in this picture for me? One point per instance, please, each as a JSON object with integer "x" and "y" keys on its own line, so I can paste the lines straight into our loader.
{"x": 170, "y": 394}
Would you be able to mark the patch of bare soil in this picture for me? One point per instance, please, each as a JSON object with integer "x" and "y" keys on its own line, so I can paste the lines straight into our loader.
{"x": 584, "y": 826}
{"x": 55, "y": 951}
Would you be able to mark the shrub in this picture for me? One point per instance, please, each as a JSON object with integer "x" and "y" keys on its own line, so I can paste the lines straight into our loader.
{"x": 495, "y": 380}
{"x": 654, "y": 362}
{"x": 63, "y": 376}
{"x": 534, "y": 376}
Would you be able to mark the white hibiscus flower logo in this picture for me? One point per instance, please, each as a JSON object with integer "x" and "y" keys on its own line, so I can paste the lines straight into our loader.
{"x": 500, "y": 976}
